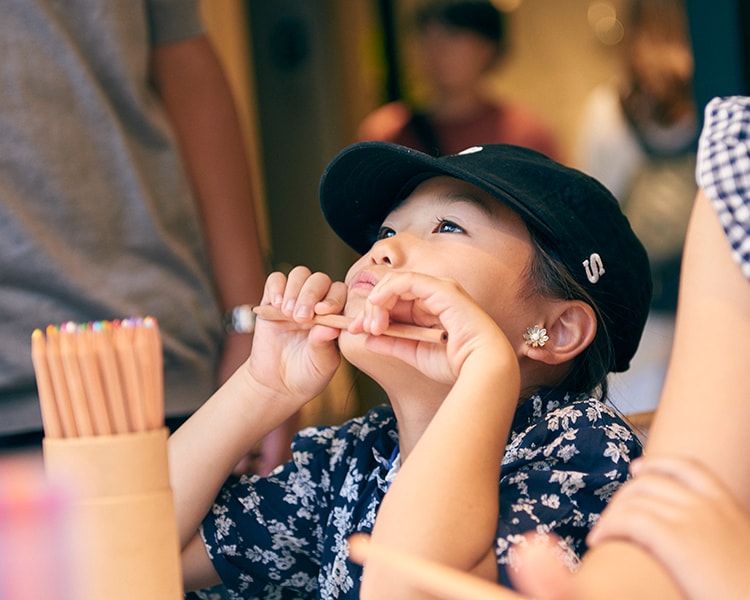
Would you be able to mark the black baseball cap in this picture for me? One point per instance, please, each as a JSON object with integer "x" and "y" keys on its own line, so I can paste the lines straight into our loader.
{"x": 577, "y": 214}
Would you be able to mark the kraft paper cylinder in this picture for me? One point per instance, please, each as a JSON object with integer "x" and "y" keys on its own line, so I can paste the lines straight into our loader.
{"x": 127, "y": 545}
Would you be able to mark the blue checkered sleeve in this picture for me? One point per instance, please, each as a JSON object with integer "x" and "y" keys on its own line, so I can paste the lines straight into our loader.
{"x": 723, "y": 170}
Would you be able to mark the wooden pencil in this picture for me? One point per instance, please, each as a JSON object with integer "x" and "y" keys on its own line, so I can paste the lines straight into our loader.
{"x": 143, "y": 341}
{"x": 122, "y": 334}
{"x": 92, "y": 382}
{"x": 399, "y": 330}
{"x": 437, "y": 579}
{"x": 47, "y": 401}
{"x": 155, "y": 350}
{"x": 74, "y": 380}
{"x": 111, "y": 379}
{"x": 59, "y": 384}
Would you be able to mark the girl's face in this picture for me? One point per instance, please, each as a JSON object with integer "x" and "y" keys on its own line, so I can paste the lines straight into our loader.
{"x": 449, "y": 228}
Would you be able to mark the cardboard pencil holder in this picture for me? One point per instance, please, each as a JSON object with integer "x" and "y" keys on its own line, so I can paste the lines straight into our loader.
{"x": 127, "y": 544}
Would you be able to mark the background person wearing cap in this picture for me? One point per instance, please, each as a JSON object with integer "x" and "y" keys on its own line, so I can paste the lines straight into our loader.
{"x": 459, "y": 44}
{"x": 542, "y": 288}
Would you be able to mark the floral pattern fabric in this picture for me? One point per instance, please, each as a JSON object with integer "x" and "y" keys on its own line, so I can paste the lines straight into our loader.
{"x": 284, "y": 536}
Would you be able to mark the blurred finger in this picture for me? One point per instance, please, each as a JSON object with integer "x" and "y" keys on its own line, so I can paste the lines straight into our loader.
{"x": 539, "y": 570}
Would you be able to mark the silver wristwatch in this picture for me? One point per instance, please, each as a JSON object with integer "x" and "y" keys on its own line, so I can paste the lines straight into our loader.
{"x": 240, "y": 319}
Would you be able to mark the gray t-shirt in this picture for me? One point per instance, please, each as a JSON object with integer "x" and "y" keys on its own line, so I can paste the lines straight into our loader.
{"x": 97, "y": 220}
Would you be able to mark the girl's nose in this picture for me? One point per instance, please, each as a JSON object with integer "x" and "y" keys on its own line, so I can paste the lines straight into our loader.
{"x": 388, "y": 251}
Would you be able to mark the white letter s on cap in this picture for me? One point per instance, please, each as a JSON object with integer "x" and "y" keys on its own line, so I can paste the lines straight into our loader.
{"x": 594, "y": 267}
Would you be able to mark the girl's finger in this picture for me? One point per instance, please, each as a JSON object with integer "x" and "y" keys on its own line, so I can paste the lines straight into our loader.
{"x": 295, "y": 280}
{"x": 334, "y": 301}
{"x": 273, "y": 291}
{"x": 315, "y": 288}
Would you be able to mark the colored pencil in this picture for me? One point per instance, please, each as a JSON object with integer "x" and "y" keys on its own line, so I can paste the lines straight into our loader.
{"x": 59, "y": 384}
{"x": 113, "y": 385}
{"x": 92, "y": 382}
{"x": 47, "y": 401}
{"x": 99, "y": 378}
{"x": 399, "y": 330}
{"x": 126, "y": 361}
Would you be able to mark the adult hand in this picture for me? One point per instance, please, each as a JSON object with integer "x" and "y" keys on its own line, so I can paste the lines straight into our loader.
{"x": 687, "y": 519}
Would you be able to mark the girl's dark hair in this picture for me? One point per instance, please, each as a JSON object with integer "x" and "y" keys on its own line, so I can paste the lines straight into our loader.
{"x": 550, "y": 277}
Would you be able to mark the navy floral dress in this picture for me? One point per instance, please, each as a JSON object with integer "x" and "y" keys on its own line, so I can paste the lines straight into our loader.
{"x": 284, "y": 536}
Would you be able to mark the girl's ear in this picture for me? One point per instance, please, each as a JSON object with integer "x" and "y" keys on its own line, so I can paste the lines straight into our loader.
{"x": 571, "y": 327}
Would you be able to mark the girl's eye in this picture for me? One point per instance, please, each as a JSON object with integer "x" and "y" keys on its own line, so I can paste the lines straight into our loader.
{"x": 385, "y": 232}
{"x": 445, "y": 226}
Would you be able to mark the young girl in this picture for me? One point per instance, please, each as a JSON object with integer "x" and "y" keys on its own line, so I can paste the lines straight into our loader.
{"x": 542, "y": 288}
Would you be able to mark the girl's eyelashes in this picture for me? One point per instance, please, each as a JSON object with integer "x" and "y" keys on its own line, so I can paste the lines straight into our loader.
{"x": 446, "y": 226}
{"x": 385, "y": 232}
{"x": 441, "y": 226}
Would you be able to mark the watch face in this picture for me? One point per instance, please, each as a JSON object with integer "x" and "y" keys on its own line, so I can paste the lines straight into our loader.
{"x": 241, "y": 319}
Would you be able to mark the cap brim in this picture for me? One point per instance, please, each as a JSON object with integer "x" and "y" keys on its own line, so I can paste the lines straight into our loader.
{"x": 361, "y": 184}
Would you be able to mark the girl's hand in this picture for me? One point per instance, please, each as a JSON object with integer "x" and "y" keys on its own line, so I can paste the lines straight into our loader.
{"x": 477, "y": 373}
{"x": 682, "y": 514}
{"x": 294, "y": 358}
{"x": 430, "y": 302}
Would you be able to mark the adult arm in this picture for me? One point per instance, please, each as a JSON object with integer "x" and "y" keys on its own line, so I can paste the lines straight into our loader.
{"x": 199, "y": 102}
{"x": 704, "y": 395}
{"x": 704, "y": 398}
{"x": 201, "y": 108}
{"x": 681, "y": 513}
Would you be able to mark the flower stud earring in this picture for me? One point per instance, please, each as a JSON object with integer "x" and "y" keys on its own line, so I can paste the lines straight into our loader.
{"x": 535, "y": 336}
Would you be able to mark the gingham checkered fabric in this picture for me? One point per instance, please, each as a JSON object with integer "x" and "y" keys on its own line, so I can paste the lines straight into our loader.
{"x": 723, "y": 170}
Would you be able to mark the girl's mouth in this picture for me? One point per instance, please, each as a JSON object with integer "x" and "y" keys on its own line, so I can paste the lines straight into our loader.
{"x": 363, "y": 280}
